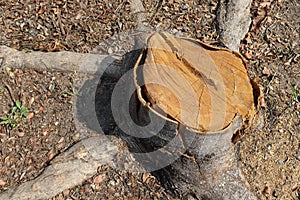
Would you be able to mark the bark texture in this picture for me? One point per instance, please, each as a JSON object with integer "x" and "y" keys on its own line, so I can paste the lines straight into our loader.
{"x": 233, "y": 21}
{"x": 62, "y": 61}
{"x": 208, "y": 170}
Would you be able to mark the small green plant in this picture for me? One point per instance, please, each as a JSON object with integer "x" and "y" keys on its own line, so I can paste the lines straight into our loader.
{"x": 16, "y": 116}
{"x": 72, "y": 92}
{"x": 295, "y": 93}
{"x": 4, "y": 69}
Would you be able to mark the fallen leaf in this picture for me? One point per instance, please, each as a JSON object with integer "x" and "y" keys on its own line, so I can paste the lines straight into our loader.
{"x": 42, "y": 9}
{"x": 297, "y": 188}
{"x": 66, "y": 192}
{"x": 269, "y": 20}
{"x": 265, "y": 4}
{"x": 248, "y": 55}
{"x": 248, "y": 38}
{"x": 2, "y": 183}
{"x": 30, "y": 115}
{"x": 10, "y": 73}
{"x": 45, "y": 131}
{"x": 39, "y": 110}
{"x": 297, "y": 107}
{"x": 263, "y": 103}
{"x": 31, "y": 101}
{"x": 50, "y": 154}
{"x": 21, "y": 133}
{"x": 260, "y": 16}
{"x": 266, "y": 71}
{"x": 61, "y": 140}
{"x": 98, "y": 179}
{"x": 267, "y": 191}
{"x": 147, "y": 177}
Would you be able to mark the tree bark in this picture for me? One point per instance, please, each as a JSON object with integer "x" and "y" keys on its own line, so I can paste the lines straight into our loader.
{"x": 233, "y": 21}
{"x": 208, "y": 170}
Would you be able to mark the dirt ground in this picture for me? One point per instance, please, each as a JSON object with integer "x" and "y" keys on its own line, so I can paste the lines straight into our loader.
{"x": 269, "y": 155}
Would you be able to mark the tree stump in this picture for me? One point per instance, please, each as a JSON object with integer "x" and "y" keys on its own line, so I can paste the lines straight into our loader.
{"x": 196, "y": 134}
{"x": 205, "y": 94}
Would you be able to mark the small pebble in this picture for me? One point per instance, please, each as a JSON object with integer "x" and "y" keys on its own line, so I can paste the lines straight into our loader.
{"x": 275, "y": 194}
{"x": 113, "y": 183}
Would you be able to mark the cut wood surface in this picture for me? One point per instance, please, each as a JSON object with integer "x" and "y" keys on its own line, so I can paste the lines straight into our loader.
{"x": 200, "y": 86}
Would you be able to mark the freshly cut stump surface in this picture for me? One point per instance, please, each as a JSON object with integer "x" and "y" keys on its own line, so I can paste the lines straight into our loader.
{"x": 194, "y": 84}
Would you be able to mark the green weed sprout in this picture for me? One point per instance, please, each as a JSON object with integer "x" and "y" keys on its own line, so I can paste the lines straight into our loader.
{"x": 17, "y": 116}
